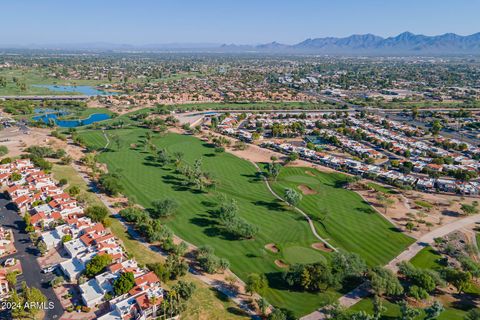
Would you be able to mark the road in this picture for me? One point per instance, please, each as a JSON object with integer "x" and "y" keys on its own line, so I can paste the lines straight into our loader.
{"x": 27, "y": 254}
{"x": 356, "y": 295}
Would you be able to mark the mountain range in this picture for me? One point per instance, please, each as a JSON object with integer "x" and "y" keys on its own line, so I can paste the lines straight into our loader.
{"x": 403, "y": 44}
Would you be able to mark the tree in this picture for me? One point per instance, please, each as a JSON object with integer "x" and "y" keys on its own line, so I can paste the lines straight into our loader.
{"x": 73, "y": 191}
{"x": 434, "y": 310}
{"x": 277, "y": 314}
{"x": 256, "y": 283}
{"x": 66, "y": 238}
{"x": 347, "y": 265}
{"x": 292, "y": 197}
{"x": 312, "y": 277}
{"x": 263, "y": 305}
{"x": 164, "y": 208}
{"x": 384, "y": 281}
{"x": 273, "y": 170}
{"x": 110, "y": 184}
{"x": 459, "y": 279}
{"x": 124, "y": 283}
{"x": 407, "y": 312}
{"x": 436, "y": 127}
{"x": 378, "y": 307}
{"x": 469, "y": 209}
{"x": 162, "y": 156}
{"x": 473, "y": 314}
{"x": 34, "y": 299}
{"x": 409, "y": 226}
{"x": 17, "y": 312}
{"x": 57, "y": 281}
{"x": 176, "y": 266}
{"x": 97, "y": 265}
{"x": 184, "y": 289}
{"x": 116, "y": 140}
{"x": 12, "y": 278}
{"x": 15, "y": 176}
{"x": 386, "y": 202}
{"x": 97, "y": 213}
{"x": 42, "y": 247}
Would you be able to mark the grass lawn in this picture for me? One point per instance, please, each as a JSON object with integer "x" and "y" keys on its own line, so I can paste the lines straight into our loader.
{"x": 341, "y": 216}
{"x": 196, "y": 222}
{"x": 204, "y": 304}
{"x": 33, "y": 76}
{"x": 423, "y": 204}
{"x": 393, "y": 311}
{"x": 427, "y": 258}
{"x": 379, "y": 188}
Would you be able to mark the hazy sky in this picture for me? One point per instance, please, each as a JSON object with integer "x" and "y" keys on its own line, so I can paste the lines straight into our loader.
{"x": 227, "y": 21}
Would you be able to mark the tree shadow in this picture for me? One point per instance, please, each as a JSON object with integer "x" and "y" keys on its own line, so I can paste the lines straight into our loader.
{"x": 256, "y": 177}
{"x": 209, "y": 155}
{"x": 275, "y": 281}
{"x": 275, "y": 205}
{"x": 368, "y": 210}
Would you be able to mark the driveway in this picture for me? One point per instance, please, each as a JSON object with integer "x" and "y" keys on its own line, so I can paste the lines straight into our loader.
{"x": 27, "y": 254}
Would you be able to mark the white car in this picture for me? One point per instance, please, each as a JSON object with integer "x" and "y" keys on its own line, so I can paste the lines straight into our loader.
{"x": 9, "y": 262}
{"x": 49, "y": 269}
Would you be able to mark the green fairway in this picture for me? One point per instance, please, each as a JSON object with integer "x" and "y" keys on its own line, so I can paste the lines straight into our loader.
{"x": 427, "y": 258}
{"x": 341, "y": 216}
{"x": 33, "y": 76}
{"x": 393, "y": 311}
{"x": 196, "y": 223}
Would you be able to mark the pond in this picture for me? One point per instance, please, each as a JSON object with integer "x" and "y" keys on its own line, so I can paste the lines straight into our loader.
{"x": 84, "y": 90}
{"x": 96, "y": 117}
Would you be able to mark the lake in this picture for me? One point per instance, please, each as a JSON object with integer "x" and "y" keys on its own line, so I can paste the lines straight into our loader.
{"x": 96, "y": 117}
{"x": 84, "y": 90}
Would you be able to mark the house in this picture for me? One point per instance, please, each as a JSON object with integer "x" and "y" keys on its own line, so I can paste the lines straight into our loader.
{"x": 94, "y": 290}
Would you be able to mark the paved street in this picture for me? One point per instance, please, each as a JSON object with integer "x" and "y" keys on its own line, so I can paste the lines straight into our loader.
{"x": 26, "y": 253}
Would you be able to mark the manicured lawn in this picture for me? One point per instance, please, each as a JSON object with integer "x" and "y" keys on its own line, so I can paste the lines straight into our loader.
{"x": 195, "y": 221}
{"x": 37, "y": 76}
{"x": 380, "y": 188}
{"x": 393, "y": 311}
{"x": 341, "y": 216}
{"x": 205, "y": 303}
{"x": 427, "y": 258}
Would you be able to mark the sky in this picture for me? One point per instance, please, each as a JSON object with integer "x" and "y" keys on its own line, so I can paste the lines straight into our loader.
{"x": 226, "y": 21}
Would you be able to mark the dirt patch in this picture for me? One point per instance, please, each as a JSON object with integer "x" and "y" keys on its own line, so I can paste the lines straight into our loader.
{"x": 306, "y": 190}
{"x": 310, "y": 173}
{"x": 281, "y": 264}
{"x": 272, "y": 247}
{"x": 322, "y": 247}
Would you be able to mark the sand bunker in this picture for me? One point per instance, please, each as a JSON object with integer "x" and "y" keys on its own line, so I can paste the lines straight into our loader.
{"x": 272, "y": 247}
{"x": 281, "y": 264}
{"x": 322, "y": 247}
{"x": 306, "y": 190}
{"x": 310, "y": 173}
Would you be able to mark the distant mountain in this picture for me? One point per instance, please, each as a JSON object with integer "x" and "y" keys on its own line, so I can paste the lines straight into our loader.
{"x": 403, "y": 44}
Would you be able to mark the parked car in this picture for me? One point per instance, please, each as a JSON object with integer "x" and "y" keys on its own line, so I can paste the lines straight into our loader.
{"x": 49, "y": 269}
